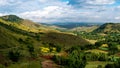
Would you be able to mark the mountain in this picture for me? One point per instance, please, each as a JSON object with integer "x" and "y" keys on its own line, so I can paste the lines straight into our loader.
{"x": 11, "y": 18}
{"x": 108, "y": 28}
{"x": 71, "y": 25}
{"x": 25, "y": 24}
{"x": 85, "y": 28}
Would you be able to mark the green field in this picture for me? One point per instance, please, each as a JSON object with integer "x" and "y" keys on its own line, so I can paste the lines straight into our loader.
{"x": 94, "y": 64}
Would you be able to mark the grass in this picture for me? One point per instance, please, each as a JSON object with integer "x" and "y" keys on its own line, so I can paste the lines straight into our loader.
{"x": 64, "y": 40}
{"x": 92, "y": 41}
{"x": 32, "y": 64}
{"x": 97, "y": 51}
{"x": 94, "y": 64}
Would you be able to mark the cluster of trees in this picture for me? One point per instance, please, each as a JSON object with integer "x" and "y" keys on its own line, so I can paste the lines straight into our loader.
{"x": 96, "y": 56}
{"x": 112, "y": 40}
{"x": 89, "y": 55}
{"x": 114, "y": 65}
{"x": 113, "y": 37}
{"x": 76, "y": 59}
{"x": 91, "y": 35}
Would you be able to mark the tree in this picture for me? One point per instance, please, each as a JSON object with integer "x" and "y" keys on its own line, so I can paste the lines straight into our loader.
{"x": 14, "y": 55}
{"x": 76, "y": 59}
{"x": 31, "y": 50}
{"x": 113, "y": 48}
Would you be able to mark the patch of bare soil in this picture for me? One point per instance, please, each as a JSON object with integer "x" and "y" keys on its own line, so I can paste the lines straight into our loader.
{"x": 49, "y": 64}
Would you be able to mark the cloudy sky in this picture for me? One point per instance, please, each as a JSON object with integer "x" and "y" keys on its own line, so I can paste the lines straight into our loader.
{"x": 48, "y": 11}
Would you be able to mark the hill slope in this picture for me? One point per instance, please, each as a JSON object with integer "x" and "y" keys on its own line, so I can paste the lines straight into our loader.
{"x": 65, "y": 40}
{"x": 13, "y": 31}
{"x": 108, "y": 28}
{"x": 24, "y": 24}
{"x": 12, "y": 18}
{"x": 17, "y": 43}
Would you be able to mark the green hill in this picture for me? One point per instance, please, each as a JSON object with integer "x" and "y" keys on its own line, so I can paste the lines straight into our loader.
{"x": 12, "y": 18}
{"x": 65, "y": 40}
{"x": 24, "y": 24}
{"x": 7, "y": 40}
{"x": 108, "y": 28}
{"x": 11, "y": 33}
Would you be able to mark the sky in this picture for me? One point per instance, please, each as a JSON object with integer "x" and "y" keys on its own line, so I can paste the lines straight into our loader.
{"x": 51, "y": 11}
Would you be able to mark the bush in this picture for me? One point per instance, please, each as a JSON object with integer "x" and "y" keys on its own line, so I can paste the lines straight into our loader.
{"x": 115, "y": 65}
{"x": 74, "y": 60}
{"x": 1, "y": 66}
{"x": 99, "y": 66}
{"x": 110, "y": 66}
{"x": 14, "y": 55}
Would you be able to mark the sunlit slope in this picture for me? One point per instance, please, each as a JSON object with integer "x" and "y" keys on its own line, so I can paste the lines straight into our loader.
{"x": 25, "y": 24}
{"x": 108, "y": 28}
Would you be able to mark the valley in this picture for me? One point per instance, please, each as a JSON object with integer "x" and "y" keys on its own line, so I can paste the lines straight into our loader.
{"x": 26, "y": 44}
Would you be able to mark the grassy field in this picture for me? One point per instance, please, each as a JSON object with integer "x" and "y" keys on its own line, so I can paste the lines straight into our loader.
{"x": 97, "y": 51}
{"x": 31, "y": 64}
{"x": 94, "y": 64}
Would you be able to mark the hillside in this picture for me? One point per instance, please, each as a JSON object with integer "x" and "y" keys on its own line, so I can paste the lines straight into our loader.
{"x": 7, "y": 40}
{"x": 65, "y": 40}
{"x": 85, "y": 28}
{"x": 108, "y": 28}
{"x": 12, "y": 18}
{"x": 13, "y": 32}
{"x": 24, "y": 24}
{"x": 11, "y": 35}
{"x": 17, "y": 43}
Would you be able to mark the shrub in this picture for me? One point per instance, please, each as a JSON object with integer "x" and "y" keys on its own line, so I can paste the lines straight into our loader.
{"x": 74, "y": 60}
{"x": 14, "y": 55}
{"x": 99, "y": 66}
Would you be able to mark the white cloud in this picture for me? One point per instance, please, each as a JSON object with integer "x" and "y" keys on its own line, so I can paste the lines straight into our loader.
{"x": 100, "y": 2}
{"x": 118, "y": 7}
{"x": 9, "y": 2}
{"x": 59, "y": 14}
{"x": 2, "y": 14}
{"x": 61, "y": 11}
{"x": 117, "y": 18}
{"x": 43, "y": 1}
{"x": 3, "y": 2}
{"x": 48, "y": 14}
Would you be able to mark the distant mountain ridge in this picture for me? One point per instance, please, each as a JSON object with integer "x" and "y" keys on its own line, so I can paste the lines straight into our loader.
{"x": 71, "y": 25}
{"x": 108, "y": 28}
